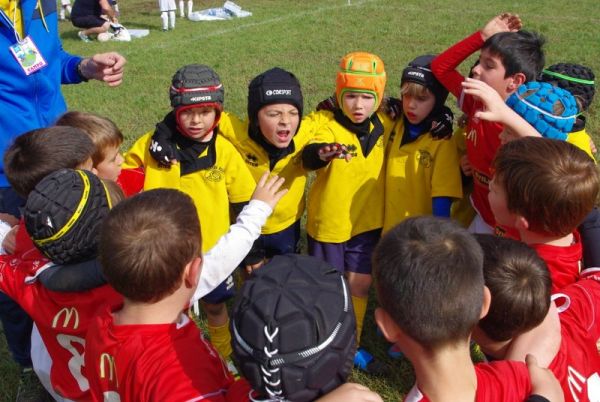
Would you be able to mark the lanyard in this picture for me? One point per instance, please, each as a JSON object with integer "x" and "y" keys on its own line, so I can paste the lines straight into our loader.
{"x": 10, "y": 22}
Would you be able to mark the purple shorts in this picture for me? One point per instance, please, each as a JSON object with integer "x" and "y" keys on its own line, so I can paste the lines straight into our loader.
{"x": 353, "y": 255}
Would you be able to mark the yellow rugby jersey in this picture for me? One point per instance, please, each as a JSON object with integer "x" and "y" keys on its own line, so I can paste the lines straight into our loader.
{"x": 416, "y": 172}
{"x": 581, "y": 139}
{"x": 212, "y": 189}
{"x": 291, "y": 207}
{"x": 346, "y": 198}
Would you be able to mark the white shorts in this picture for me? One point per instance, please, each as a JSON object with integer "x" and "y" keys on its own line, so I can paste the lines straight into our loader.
{"x": 65, "y": 2}
{"x": 167, "y": 5}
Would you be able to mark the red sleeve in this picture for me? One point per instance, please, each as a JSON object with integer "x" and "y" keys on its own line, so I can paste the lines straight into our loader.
{"x": 584, "y": 302}
{"x": 131, "y": 181}
{"x": 502, "y": 381}
{"x": 444, "y": 65}
{"x": 12, "y": 279}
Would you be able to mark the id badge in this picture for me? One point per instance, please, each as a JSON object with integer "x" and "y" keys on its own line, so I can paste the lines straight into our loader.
{"x": 28, "y": 56}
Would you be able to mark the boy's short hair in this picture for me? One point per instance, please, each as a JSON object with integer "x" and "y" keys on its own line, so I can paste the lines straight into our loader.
{"x": 520, "y": 52}
{"x": 104, "y": 133}
{"x": 293, "y": 329}
{"x": 552, "y": 184}
{"x": 550, "y": 110}
{"x": 37, "y": 153}
{"x": 429, "y": 279}
{"x": 575, "y": 78}
{"x": 520, "y": 285}
{"x": 146, "y": 243}
{"x": 64, "y": 213}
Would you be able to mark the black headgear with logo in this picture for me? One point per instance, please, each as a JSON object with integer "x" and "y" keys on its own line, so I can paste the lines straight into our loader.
{"x": 196, "y": 84}
{"x": 273, "y": 86}
{"x": 419, "y": 71}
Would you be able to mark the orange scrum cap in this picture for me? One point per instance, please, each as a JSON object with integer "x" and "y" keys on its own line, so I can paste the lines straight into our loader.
{"x": 361, "y": 72}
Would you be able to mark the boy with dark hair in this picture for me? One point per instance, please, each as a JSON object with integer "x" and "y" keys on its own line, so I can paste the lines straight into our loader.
{"x": 522, "y": 320}
{"x": 430, "y": 285}
{"x": 63, "y": 214}
{"x": 31, "y": 157}
{"x": 508, "y": 58}
{"x": 206, "y": 166}
{"x": 157, "y": 275}
{"x": 544, "y": 189}
{"x": 37, "y": 153}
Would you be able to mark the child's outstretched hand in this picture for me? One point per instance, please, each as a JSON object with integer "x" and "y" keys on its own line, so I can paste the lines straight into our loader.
{"x": 268, "y": 189}
{"x": 505, "y": 22}
{"x": 351, "y": 392}
{"x": 543, "y": 381}
{"x": 332, "y": 151}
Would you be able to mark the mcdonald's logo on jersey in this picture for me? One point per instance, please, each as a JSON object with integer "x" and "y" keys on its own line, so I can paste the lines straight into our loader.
{"x": 68, "y": 314}
{"x": 109, "y": 372}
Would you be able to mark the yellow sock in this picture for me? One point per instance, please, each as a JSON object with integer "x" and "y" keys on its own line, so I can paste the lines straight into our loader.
{"x": 220, "y": 337}
{"x": 360, "y": 309}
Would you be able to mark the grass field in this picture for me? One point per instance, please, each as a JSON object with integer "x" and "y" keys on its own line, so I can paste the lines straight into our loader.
{"x": 307, "y": 37}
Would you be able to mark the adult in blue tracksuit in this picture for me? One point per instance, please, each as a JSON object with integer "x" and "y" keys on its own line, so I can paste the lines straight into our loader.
{"x": 34, "y": 100}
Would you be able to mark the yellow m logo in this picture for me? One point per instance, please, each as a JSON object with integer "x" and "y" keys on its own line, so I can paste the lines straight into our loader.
{"x": 68, "y": 314}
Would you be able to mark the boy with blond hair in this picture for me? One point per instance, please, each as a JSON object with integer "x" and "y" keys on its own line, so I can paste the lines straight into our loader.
{"x": 107, "y": 158}
{"x": 509, "y": 57}
{"x": 544, "y": 189}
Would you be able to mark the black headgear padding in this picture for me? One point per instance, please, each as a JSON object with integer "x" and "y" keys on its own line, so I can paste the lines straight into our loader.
{"x": 419, "y": 71}
{"x": 273, "y": 86}
{"x": 196, "y": 84}
{"x": 293, "y": 328}
{"x": 64, "y": 213}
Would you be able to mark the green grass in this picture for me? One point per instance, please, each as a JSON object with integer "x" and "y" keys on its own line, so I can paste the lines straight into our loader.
{"x": 307, "y": 37}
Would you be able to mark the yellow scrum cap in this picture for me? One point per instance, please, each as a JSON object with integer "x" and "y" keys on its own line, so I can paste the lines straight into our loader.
{"x": 361, "y": 72}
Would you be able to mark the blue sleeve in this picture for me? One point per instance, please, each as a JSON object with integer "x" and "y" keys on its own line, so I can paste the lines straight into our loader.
{"x": 69, "y": 65}
{"x": 441, "y": 206}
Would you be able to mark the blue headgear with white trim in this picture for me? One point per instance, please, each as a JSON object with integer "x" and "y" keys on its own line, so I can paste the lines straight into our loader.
{"x": 534, "y": 101}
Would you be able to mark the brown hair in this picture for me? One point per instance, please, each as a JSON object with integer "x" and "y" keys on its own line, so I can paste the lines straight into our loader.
{"x": 113, "y": 191}
{"x": 551, "y": 183}
{"x": 103, "y": 132}
{"x": 37, "y": 153}
{"x": 429, "y": 279}
{"x": 147, "y": 241}
{"x": 519, "y": 283}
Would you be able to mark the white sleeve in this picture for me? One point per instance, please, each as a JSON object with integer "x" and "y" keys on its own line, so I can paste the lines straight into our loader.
{"x": 4, "y": 229}
{"x": 221, "y": 260}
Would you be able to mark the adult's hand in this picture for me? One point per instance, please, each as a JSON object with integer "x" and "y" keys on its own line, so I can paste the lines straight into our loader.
{"x": 107, "y": 67}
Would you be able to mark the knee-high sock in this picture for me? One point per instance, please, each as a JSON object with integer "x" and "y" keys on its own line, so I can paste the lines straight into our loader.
{"x": 181, "y": 11}
{"x": 172, "y": 19}
{"x": 360, "y": 309}
{"x": 190, "y": 5}
{"x": 220, "y": 337}
{"x": 62, "y": 13}
{"x": 164, "y": 16}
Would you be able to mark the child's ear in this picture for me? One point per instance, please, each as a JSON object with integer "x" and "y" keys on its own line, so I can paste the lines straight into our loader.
{"x": 521, "y": 223}
{"x": 516, "y": 81}
{"x": 386, "y": 324}
{"x": 487, "y": 300}
{"x": 191, "y": 274}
